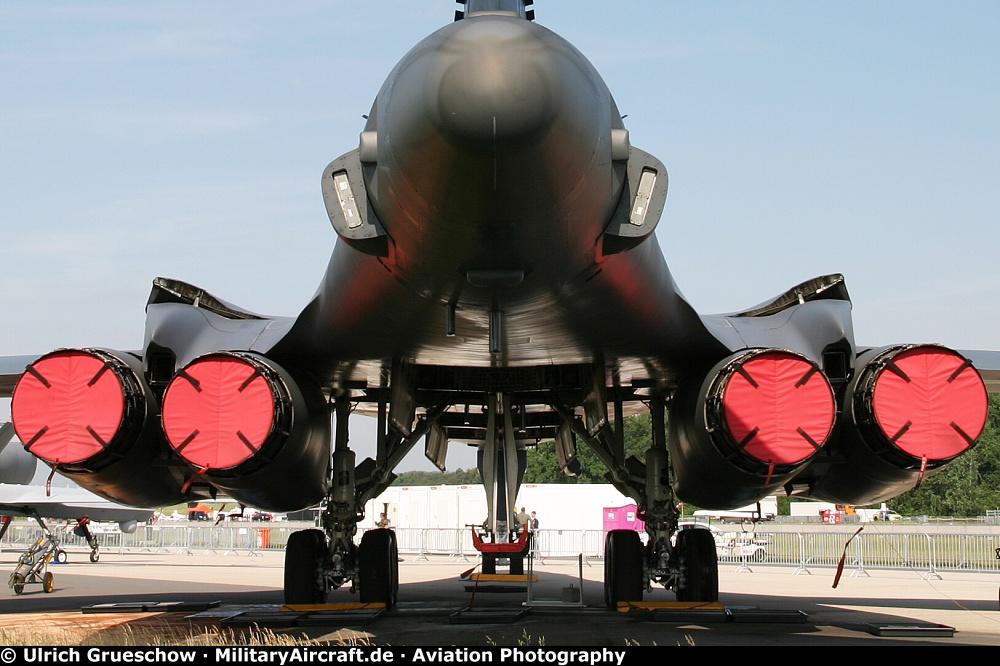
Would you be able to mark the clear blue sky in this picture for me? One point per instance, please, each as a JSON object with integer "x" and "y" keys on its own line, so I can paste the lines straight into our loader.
{"x": 186, "y": 139}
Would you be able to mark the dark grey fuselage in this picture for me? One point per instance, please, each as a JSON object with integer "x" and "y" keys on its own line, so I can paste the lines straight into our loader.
{"x": 489, "y": 163}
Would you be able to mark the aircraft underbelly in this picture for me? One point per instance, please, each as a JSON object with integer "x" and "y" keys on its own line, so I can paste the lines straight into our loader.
{"x": 364, "y": 313}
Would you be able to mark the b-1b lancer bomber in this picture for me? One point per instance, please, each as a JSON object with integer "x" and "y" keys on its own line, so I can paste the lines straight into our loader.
{"x": 496, "y": 281}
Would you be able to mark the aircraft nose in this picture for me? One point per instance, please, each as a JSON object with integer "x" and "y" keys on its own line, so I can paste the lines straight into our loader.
{"x": 497, "y": 84}
{"x": 488, "y": 84}
{"x": 490, "y": 141}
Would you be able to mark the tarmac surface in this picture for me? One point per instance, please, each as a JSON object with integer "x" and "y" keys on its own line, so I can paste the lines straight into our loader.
{"x": 759, "y": 605}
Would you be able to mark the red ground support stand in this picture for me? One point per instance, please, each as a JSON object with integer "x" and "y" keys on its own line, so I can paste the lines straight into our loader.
{"x": 515, "y": 550}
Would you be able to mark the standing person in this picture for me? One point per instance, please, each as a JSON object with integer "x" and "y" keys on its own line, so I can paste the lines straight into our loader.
{"x": 533, "y": 528}
{"x": 522, "y": 519}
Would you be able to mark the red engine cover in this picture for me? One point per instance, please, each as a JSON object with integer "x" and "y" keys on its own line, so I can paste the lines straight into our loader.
{"x": 928, "y": 401}
{"x": 69, "y": 406}
{"x": 777, "y": 407}
{"x": 219, "y": 411}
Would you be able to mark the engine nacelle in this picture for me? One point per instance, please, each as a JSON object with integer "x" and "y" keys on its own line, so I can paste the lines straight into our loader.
{"x": 17, "y": 466}
{"x": 756, "y": 420}
{"x": 90, "y": 414}
{"x": 250, "y": 429}
{"x": 910, "y": 409}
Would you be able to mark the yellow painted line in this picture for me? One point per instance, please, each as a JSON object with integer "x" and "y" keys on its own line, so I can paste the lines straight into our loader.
{"x": 626, "y": 606}
{"x": 504, "y": 578}
{"x": 306, "y": 608}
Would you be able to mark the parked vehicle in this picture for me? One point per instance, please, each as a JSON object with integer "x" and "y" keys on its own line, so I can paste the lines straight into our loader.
{"x": 766, "y": 509}
{"x": 882, "y": 513}
{"x": 732, "y": 546}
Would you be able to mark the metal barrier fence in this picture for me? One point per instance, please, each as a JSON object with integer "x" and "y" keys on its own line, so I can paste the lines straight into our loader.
{"x": 896, "y": 549}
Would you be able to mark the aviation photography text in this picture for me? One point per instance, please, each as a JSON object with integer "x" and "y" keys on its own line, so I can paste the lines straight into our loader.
{"x": 280, "y": 656}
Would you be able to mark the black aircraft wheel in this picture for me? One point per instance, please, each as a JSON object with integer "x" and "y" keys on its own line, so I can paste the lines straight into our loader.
{"x": 394, "y": 568}
{"x": 61, "y": 556}
{"x": 304, "y": 554}
{"x": 94, "y": 556}
{"x": 48, "y": 582}
{"x": 697, "y": 547}
{"x": 622, "y": 567}
{"x": 17, "y": 582}
{"x": 378, "y": 567}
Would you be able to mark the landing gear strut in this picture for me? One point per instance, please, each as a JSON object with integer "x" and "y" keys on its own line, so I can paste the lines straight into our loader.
{"x": 684, "y": 561}
{"x": 318, "y": 561}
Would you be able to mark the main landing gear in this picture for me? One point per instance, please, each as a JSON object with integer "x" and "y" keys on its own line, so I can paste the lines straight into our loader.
{"x": 320, "y": 560}
{"x": 682, "y": 560}
{"x": 688, "y": 564}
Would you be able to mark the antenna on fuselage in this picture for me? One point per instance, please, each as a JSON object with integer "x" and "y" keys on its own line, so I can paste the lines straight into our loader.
{"x": 520, "y": 7}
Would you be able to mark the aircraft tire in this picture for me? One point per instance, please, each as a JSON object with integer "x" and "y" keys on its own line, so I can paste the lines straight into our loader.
{"x": 303, "y": 556}
{"x": 61, "y": 556}
{"x": 394, "y": 568}
{"x": 697, "y": 547}
{"x": 94, "y": 556}
{"x": 48, "y": 582}
{"x": 378, "y": 567}
{"x": 622, "y": 567}
{"x": 17, "y": 583}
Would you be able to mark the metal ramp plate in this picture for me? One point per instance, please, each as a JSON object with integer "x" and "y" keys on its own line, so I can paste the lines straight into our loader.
{"x": 502, "y": 578}
{"x": 280, "y": 619}
{"x": 500, "y": 583}
{"x": 325, "y": 608}
{"x": 308, "y": 615}
{"x": 911, "y": 629}
{"x": 496, "y": 589}
{"x": 748, "y": 615}
{"x": 651, "y": 606}
{"x": 681, "y": 612}
{"x": 487, "y": 615}
{"x": 151, "y": 607}
{"x": 699, "y": 612}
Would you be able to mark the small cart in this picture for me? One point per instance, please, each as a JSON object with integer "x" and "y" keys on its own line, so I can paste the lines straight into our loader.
{"x": 33, "y": 566}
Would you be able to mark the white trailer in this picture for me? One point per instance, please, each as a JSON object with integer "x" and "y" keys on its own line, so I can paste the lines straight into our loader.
{"x": 766, "y": 509}
{"x": 570, "y": 506}
{"x": 810, "y": 509}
